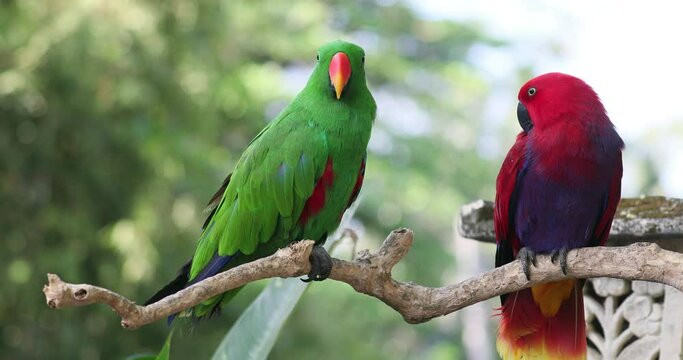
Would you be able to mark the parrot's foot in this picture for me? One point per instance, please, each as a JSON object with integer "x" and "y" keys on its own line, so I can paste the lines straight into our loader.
{"x": 321, "y": 264}
{"x": 562, "y": 256}
{"x": 528, "y": 258}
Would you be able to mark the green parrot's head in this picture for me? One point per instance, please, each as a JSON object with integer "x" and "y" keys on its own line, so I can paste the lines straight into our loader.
{"x": 340, "y": 72}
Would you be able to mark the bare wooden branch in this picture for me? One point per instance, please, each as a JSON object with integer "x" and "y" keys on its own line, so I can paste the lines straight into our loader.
{"x": 370, "y": 273}
{"x": 291, "y": 261}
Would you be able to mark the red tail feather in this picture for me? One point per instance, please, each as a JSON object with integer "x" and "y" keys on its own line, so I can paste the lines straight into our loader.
{"x": 525, "y": 333}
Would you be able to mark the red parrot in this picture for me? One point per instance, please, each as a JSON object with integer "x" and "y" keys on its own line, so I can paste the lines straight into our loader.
{"x": 557, "y": 190}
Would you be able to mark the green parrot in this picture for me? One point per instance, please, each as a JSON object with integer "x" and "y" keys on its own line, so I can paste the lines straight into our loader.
{"x": 295, "y": 179}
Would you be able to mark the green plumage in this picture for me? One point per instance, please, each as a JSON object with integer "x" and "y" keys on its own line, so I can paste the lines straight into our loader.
{"x": 261, "y": 206}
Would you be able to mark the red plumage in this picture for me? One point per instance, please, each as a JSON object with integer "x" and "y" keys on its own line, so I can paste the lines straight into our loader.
{"x": 316, "y": 202}
{"x": 505, "y": 186}
{"x": 358, "y": 185}
{"x": 558, "y": 188}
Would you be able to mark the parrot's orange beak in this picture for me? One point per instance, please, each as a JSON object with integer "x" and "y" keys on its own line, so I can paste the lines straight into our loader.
{"x": 340, "y": 72}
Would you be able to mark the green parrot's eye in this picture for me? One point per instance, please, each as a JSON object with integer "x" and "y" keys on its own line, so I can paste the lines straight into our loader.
{"x": 317, "y": 57}
{"x": 531, "y": 91}
{"x": 362, "y": 60}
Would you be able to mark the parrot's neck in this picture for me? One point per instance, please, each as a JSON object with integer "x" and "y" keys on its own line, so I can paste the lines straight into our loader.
{"x": 573, "y": 154}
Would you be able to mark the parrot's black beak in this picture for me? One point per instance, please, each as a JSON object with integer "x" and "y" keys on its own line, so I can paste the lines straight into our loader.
{"x": 524, "y": 118}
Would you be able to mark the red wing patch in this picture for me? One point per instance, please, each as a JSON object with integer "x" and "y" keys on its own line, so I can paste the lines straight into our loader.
{"x": 505, "y": 187}
{"x": 358, "y": 185}
{"x": 316, "y": 202}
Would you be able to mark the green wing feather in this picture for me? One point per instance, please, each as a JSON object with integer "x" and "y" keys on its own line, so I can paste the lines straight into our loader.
{"x": 268, "y": 189}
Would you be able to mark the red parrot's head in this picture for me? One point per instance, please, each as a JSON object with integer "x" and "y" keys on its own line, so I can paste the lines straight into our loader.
{"x": 555, "y": 98}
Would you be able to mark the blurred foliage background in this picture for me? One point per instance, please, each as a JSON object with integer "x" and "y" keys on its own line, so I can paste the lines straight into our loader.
{"x": 119, "y": 119}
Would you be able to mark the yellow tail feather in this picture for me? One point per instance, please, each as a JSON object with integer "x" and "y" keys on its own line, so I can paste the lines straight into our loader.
{"x": 550, "y": 296}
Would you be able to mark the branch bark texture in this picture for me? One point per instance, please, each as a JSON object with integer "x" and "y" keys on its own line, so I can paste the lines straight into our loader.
{"x": 370, "y": 273}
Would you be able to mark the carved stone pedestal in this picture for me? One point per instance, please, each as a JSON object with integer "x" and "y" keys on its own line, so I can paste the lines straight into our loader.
{"x": 633, "y": 320}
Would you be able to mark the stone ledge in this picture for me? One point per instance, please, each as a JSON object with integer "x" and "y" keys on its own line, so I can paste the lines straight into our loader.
{"x": 653, "y": 218}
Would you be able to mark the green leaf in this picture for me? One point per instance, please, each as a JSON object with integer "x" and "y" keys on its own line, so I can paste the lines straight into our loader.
{"x": 142, "y": 357}
{"x": 255, "y": 332}
{"x": 164, "y": 354}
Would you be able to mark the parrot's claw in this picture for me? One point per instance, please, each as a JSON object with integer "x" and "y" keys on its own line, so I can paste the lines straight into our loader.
{"x": 528, "y": 258}
{"x": 560, "y": 254}
{"x": 321, "y": 264}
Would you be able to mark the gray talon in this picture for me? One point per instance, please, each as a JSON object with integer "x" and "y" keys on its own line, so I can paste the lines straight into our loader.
{"x": 528, "y": 258}
{"x": 321, "y": 265}
{"x": 562, "y": 256}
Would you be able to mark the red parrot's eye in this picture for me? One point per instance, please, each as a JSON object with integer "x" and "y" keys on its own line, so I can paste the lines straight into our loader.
{"x": 531, "y": 91}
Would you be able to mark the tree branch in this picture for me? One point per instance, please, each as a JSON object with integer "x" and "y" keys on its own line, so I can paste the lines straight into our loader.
{"x": 370, "y": 273}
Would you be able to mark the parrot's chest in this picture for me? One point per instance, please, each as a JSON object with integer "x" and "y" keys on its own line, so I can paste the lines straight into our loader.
{"x": 552, "y": 214}
{"x": 343, "y": 176}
